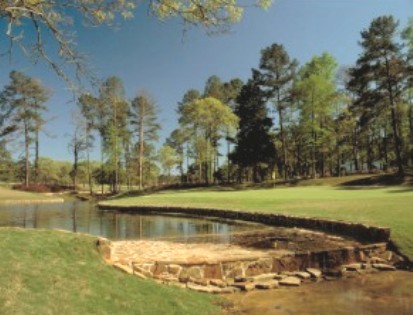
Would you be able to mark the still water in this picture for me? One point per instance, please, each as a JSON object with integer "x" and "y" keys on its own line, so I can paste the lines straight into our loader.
{"x": 79, "y": 216}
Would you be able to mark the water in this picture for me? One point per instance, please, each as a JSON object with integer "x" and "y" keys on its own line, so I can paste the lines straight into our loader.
{"x": 84, "y": 217}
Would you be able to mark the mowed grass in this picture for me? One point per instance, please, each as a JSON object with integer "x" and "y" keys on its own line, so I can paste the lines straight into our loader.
{"x": 383, "y": 206}
{"x": 52, "y": 272}
{"x": 9, "y": 195}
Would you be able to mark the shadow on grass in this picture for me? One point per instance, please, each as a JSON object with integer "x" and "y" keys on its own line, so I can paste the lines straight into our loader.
{"x": 357, "y": 182}
{"x": 381, "y": 180}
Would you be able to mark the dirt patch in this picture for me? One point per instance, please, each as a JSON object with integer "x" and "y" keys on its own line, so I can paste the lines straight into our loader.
{"x": 382, "y": 293}
{"x": 295, "y": 240}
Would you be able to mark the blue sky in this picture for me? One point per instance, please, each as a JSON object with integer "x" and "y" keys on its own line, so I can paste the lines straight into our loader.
{"x": 156, "y": 56}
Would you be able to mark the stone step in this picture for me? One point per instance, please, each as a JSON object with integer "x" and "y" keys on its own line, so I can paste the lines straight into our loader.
{"x": 303, "y": 275}
{"x": 266, "y": 285}
{"x": 244, "y": 286}
{"x": 290, "y": 281}
{"x": 315, "y": 273}
{"x": 262, "y": 277}
{"x": 201, "y": 288}
{"x": 384, "y": 267}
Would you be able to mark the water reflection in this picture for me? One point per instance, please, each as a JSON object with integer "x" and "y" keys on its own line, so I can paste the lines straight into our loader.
{"x": 84, "y": 217}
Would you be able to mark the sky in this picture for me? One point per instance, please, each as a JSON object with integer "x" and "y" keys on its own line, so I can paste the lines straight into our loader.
{"x": 159, "y": 57}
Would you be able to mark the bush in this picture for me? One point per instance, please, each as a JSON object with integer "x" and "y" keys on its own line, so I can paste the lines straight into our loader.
{"x": 42, "y": 188}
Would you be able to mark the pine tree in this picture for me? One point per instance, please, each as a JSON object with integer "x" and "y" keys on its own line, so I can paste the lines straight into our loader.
{"x": 144, "y": 119}
{"x": 24, "y": 98}
{"x": 380, "y": 77}
{"x": 277, "y": 74}
{"x": 254, "y": 145}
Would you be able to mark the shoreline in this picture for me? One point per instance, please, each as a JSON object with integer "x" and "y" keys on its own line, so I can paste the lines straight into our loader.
{"x": 31, "y": 201}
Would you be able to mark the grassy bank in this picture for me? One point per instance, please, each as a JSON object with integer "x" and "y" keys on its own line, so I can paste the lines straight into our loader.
{"x": 390, "y": 206}
{"x": 51, "y": 272}
{"x": 9, "y": 196}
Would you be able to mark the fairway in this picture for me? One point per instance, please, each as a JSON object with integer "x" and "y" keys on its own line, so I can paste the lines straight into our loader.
{"x": 384, "y": 206}
{"x": 9, "y": 195}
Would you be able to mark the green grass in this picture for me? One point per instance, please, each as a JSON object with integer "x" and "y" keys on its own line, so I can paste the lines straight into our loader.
{"x": 390, "y": 206}
{"x": 7, "y": 194}
{"x": 52, "y": 272}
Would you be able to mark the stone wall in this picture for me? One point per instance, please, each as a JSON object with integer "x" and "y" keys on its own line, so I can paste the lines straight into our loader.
{"x": 360, "y": 232}
{"x": 246, "y": 273}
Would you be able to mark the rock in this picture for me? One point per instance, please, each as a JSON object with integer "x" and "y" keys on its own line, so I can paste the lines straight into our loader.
{"x": 228, "y": 290}
{"x": 141, "y": 271}
{"x": 174, "y": 269}
{"x": 218, "y": 283}
{"x": 290, "y": 281}
{"x": 362, "y": 257}
{"x": 262, "y": 277}
{"x": 140, "y": 275}
{"x": 378, "y": 260}
{"x": 266, "y": 285}
{"x": 384, "y": 267}
{"x": 166, "y": 277}
{"x": 200, "y": 288}
{"x": 280, "y": 277}
{"x": 194, "y": 272}
{"x": 353, "y": 267}
{"x": 244, "y": 286}
{"x": 124, "y": 268}
{"x": 203, "y": 282}
{"x": 302, "y": 275}
{"x": 315, "y": 273}
{"x": 242, "y": 279}
{"x": 366, "y": 266}
{"x": 213, "y": 271}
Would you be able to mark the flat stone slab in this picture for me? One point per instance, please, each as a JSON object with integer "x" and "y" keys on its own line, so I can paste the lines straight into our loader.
{"x": 147, "y": 251}
{"x": 384, "y": 267}
{"x": 266, "y": 285}
{"x": 315, "y": 273}
{"x": 290, "y": 281}
{"x": 303, "y": 275}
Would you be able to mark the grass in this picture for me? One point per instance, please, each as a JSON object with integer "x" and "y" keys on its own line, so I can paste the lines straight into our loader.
{"x": 52, "y": 272}
{"x": 7, "y": 194}
{"x": 390, "y": 206}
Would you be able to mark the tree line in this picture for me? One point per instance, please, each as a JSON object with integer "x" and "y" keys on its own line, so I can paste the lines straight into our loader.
{"x": 286, "y": 121}
{"x": 317, "y": 119}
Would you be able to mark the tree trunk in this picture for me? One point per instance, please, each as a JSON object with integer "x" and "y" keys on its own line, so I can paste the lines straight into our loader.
{"x": 141, "y": 151}
{"x": 314, "y": 136}
{"x": 26, "y": 155}
{"x": 283, "y": 142}
{"x": 75, "y": 164}
{"x": 36, "y": 157}
{"x": 101, "y": 164}
{"x": 89, "y": 175}
{"x": 411, "y": 132}
{"x": 395, "y": 125}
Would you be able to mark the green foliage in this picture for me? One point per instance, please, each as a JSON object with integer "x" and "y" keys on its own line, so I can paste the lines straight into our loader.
{"x": 168, "y": 158}
{"x": 316, "y": 93}
{"x": 207, "y": 120}
{"x": 277, "y": 74}
{"x": 22, "y": 102}
{"x": 30, "y": 21}
{"x": 379, "y": 81}
{"x": 144, "y": 120}
{"x": 254, "y": 144}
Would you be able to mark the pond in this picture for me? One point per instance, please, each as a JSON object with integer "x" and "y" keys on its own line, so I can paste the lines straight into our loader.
{"x": 80, "y": 216}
